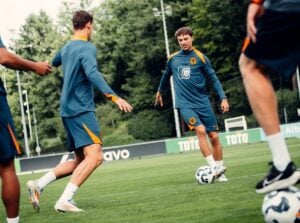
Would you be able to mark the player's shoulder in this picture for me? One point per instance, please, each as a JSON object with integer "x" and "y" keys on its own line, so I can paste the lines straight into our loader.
{"x": 90, "y": 46}
{"x": 201, "y": 55}
{"x": 173, "y": 55}
{"x": 83, "y": 47}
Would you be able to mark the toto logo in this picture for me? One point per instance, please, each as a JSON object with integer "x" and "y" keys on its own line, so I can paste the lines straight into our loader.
{"x": 116, "y": 155}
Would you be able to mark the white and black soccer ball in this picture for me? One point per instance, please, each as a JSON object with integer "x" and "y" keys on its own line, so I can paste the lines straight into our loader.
{"x": 282, "y": 206}
{"x": 204, "y": 175}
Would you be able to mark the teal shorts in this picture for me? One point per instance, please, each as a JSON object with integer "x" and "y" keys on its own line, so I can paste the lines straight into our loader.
{"x": 9, "y": 147}
{"x": 82, "y": 130}
{"x": 194, "y": 117}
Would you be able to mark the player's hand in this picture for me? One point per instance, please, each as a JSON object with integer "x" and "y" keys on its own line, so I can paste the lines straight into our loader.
{"x": 254, "y": 12}
{"x": 225, "y": 105}
{"x": 123, "y": 105}
{"x": 42, "y": 68}
{"x": 158, "y": 99}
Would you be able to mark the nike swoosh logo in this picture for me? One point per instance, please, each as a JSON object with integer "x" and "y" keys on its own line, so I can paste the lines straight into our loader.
{"x": 267, "y": 182}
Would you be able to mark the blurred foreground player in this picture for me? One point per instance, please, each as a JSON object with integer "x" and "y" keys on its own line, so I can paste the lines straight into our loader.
{"x": 272, "y": 47}
{"x": 9, "y": 146}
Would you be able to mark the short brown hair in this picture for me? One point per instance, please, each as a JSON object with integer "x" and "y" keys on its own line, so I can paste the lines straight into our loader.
{"x": 81, "y": 18}
{"x": 184, "y": 31}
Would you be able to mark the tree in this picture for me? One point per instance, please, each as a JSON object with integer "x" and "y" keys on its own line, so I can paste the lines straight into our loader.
{"x": 133, "y": 55}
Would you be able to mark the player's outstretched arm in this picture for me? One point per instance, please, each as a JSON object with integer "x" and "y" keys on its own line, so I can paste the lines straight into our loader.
{"x": 16, "y": 62}
{"x": 158, "y": 99}
{"x": 123, "y": 105}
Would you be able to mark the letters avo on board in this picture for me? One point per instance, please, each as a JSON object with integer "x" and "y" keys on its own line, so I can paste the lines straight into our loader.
{"x": 116, "y": 154}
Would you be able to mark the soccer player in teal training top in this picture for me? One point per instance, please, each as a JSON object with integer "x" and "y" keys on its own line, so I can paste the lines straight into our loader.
{"x": 190, "y": 69}
{"x": 272, "y": 47}
{"x": 79, "y": 64}
{"x": 9, "y": 147}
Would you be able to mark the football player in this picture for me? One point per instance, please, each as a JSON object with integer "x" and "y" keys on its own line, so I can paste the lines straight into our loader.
{"x": 272, "y": 47}
{"x": 191, "y": 69}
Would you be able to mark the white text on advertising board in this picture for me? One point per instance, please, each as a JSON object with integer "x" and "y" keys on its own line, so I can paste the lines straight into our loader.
{"x": 292, "y": 130}
{"x": 116, "y": 155}
{"x": 188, "y": 145}
{"x": 236, "y": 139}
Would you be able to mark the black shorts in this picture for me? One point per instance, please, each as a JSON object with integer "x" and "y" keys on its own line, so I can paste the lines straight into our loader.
{"x": 277, "y": 42}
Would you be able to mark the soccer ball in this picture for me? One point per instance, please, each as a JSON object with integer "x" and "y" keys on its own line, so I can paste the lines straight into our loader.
{"x": 204, "y": 175}
{"x": 282, "y": 206}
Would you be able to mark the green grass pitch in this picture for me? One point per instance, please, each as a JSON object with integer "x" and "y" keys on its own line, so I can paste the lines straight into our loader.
{"x": 162, "y": 189}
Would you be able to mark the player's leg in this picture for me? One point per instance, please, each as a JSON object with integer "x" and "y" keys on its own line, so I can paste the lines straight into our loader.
{"x": 36, "y": 187}
{"x": 216, "y": 146}
{"x": 92, "y": 159}
{"x": 191, "y": 118}
{"x": 217, "y": 153}
{"x": 206, "y": 150}
{"x": 264, "y": 105}
{"x": 10, "y": 189}
{"x": 209, "y": 120}
{"x": 204, "y": 146}
{"x": 9, "y": 147}
{"x": 85, "y": 132}
{"x": 261, "y": 95}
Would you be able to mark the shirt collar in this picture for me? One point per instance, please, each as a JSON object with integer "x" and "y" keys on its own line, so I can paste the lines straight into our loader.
{"x": 83, "y": 38}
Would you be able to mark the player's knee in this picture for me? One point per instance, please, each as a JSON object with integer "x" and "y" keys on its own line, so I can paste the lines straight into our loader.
{"x": 243, "y": 65}
{"x": 201, "y": 130}
{"x": 99, "y": 160}
{"x": 246, "y": 65}
{"x": 214, "y": 138}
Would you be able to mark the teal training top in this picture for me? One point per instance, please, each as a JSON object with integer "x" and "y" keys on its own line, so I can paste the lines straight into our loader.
{"x": 80, "y": 73}
{"x": 1, "y": 43}
{"x": 283, "y": 5}
{"x": 190, "y": 70}
{"x": 2, "y": 89}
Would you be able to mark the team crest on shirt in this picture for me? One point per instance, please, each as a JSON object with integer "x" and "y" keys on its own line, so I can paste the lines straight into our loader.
{"x": 184, "y": 72}
{"x": 192, "y": 121}
{"x": 193, "y": 60}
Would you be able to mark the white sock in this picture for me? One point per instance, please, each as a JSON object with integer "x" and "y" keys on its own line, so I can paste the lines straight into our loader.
{"x": 69, "y": 192}
{"x": 211, "y": 162}
{"x": 280, "y": 153}
{"x": 219, "y": 162}
{"x": 46, "y": 179}
{"x": 13, "y": 220}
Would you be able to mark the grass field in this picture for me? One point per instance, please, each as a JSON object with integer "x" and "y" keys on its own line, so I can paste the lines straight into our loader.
{"x": 162, "y": 189}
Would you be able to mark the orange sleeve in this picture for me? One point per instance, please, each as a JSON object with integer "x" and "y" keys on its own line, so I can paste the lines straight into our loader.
{"x": 258, "y": 2}
{"x": 113, "y": 98}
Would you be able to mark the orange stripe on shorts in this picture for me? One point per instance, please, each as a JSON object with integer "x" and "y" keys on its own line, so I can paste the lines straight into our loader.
{"x": 94, "y": 137}
{"x": 12, "y": 135}
{"x": 245, "y": 44}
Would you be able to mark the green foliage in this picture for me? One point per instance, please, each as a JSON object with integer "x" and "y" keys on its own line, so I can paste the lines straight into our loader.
{"x": 52, "y": 145}
{"x": 150, "y": 124}
{"x": 288, "y": 101}
{"x": 108, "y": 115}
{"x": 119, "y": 136}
